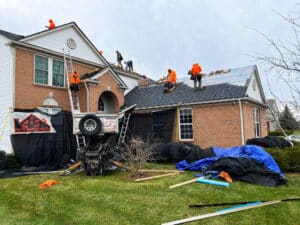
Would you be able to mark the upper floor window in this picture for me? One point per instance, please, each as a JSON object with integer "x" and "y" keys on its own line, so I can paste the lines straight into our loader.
{"x": 186, "y": 124}
{"x": 48, "y": 71}
{"x": 256, "y": 122}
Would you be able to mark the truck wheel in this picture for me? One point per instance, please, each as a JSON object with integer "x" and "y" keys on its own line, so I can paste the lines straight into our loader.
{"x": 90, "y": 125}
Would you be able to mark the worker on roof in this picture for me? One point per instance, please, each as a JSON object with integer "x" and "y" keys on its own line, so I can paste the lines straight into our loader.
{"x": 119, "y": 59}
{"x": 196, "y": 75}
{"x": 171, "y": 80}
{"x": 51, "y": 24}
{"x": 129, "y": 65}
{"x": 74, "y": 81}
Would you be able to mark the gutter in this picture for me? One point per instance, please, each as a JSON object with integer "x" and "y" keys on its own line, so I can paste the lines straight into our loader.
{"x": 242, "y": 122}
{"x": 194, "y": 103}
{"x": 87, "y": 97}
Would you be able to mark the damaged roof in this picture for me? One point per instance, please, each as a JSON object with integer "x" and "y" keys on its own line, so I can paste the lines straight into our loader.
{"x": 153, "y": 97}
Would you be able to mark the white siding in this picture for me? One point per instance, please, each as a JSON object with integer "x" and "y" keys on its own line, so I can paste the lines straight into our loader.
{"x": 130, "y": 82}
{"x": 57, "y": 40}
{"x": 6, "y": 93}
{"x": 253, "y": 90}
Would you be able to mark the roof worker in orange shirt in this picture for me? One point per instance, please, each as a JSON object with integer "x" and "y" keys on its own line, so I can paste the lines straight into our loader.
{"x": 171, "y": 81}
{"x": 51, "y": 24}
{"x": 74, "y": 81}
{"x": 196, "y": 75}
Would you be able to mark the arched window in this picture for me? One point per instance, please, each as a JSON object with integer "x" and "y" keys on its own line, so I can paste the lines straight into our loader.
{"x": 100, "y": 105}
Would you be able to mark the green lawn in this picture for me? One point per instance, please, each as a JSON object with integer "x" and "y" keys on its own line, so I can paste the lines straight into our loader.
{"x": 111, "y": 199}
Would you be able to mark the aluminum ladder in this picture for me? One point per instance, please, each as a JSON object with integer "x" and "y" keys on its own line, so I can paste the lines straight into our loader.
{"x": 124, "y": 128}
{"x": 73, "y": 97}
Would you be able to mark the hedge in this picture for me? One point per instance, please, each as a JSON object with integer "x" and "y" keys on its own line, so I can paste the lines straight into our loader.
{"x": 287, "y": 159}
{"x": 279, "y": 132}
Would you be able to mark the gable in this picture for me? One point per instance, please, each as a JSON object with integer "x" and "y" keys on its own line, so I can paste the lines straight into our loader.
{"x": 254, "y": 89}
{"x": 114, "y": 76}
{"x": 56, "y": 40}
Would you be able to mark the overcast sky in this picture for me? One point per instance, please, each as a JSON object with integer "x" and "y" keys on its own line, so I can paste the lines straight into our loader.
{"x": 162, "y": 34}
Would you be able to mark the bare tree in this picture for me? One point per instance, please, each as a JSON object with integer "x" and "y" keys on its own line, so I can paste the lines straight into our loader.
{"x": 138, "y": 152}
{"x": 284, "y": 64}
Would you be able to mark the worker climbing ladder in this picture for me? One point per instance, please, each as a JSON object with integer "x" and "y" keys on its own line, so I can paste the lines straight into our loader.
{"x": 73, "y": 97}
{"x": 124, "y": 128}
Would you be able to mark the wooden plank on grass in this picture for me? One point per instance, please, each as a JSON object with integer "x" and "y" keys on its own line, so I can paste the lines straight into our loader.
{"x": 223, "y": 212}
{"x": 184, "y": 183}
{"x": 154, "y": 177}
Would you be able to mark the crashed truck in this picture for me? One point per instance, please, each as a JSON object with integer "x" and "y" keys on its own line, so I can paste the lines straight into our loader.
{"x": 97, "y": 135}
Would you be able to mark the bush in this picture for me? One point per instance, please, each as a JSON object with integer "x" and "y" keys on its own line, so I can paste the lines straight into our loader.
{"x": 279, "y": 133}
{"x": 287, "y": 159}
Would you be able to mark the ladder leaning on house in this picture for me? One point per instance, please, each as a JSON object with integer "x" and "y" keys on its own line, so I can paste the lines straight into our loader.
{"x": 73, "y": 97}
{"x": 124, "y": 128}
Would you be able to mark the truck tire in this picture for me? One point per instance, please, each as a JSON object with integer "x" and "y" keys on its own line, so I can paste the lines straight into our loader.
{"x": 90, "y": 125}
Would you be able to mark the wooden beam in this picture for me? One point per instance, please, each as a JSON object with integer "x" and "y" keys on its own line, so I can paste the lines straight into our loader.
{"x": 223, "y": 212}
{"x": 163, "y": 171}
{"x": 158, "y": 176}
{"x": 184, "y": 183}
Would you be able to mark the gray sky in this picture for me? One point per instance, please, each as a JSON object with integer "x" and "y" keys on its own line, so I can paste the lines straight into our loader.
{"x": 162, "y": 34}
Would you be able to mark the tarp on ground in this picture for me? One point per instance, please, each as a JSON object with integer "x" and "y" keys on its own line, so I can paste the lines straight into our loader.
{"x": 246, "y": 152}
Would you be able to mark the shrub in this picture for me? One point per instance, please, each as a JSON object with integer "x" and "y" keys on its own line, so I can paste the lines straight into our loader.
{"x": 287, "y": 159}
{"x": 279, "y": 132}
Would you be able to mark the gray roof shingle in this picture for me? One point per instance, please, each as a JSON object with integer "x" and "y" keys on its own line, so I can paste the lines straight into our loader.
{"x": 11, "y": 36}
{"x": 152, "y": 96}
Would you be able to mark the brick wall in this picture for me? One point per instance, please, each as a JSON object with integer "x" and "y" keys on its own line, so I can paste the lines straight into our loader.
{"x": 29, "y": 95}
{"x": 219, "y": 125}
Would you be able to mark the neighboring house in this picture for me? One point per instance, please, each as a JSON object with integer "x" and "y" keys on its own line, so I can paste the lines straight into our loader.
{"x": 272, "y": 115}
{"x": 228, "y": 111}
{"x": 33, "y": 75}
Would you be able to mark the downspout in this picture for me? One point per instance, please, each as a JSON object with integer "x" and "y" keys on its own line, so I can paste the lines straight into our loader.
{"x": 242, "y": 121}
{"x": 87, "y": 97}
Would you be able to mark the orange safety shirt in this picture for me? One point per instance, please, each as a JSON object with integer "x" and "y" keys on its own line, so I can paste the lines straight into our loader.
{"x": 51, "y": 24}
{"x": 196, "y": 69}
{"x": 74, "y": 78}
{"x": 172, "y": 77}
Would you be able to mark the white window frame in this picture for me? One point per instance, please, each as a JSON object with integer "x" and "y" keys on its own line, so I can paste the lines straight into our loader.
{"x": 179, "y": 127}
{"x": 256, "y": 116}
{"x": 50, "y": 72}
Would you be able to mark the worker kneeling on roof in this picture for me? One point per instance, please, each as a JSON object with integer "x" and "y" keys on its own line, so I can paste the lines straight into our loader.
{"x": 171, "y": 79}
{"x": 196, "y": 75}
{"x": 74, "y": 81}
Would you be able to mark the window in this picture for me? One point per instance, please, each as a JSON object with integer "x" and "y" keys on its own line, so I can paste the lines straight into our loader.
{"x": 58, "y": 73}
{"x": 256, "y": 122}
{"x": 100, "y": 105}
{"x": 186, "y": 124}
{"x": 48, "y": 71}
{"x": 41, "y": 70}
{"x": 157, "y": 125}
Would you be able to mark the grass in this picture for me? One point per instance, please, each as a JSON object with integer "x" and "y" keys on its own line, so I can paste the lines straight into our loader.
{"x": 112, "y": 199}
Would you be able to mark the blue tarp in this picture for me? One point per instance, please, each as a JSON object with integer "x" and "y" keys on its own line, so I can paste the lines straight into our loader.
{"x": 246, "y": 151}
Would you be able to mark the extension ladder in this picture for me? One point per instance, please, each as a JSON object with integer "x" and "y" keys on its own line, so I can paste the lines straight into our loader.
{"x": 124, "y": 128}
{"x": 73, "y": 97}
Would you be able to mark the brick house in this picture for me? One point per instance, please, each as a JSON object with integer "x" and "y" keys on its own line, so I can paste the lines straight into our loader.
{"x": 34, "y": 73}
{"x": 227, "y": 112}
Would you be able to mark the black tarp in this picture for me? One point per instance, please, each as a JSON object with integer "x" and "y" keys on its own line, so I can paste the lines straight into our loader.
{"x": 47, "y": 150}
{"x": 158, "y": 125}
{"x": 175, "y": 152}
{"x": 249, "y": 170}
